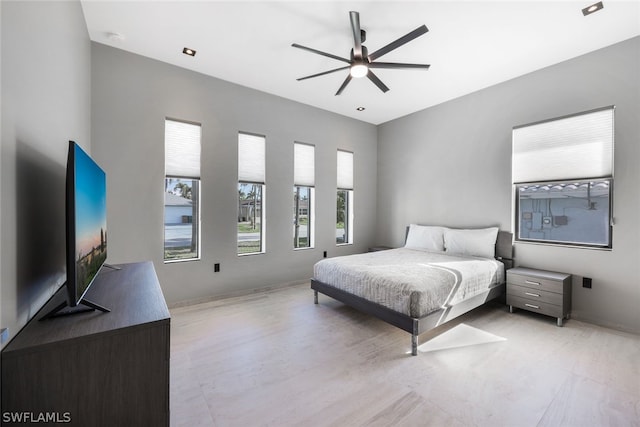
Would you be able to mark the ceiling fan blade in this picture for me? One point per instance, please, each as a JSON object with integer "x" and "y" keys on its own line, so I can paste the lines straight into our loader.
{"x": 344, "y": 84}
{"x": 397, "y": 65}
{"x": 357, "y": 38}
{"x": 319, "y": 52}
{"x": 396, "y": 44}
{"x": 323, "y": 73}
{"x": 376, "y": 81}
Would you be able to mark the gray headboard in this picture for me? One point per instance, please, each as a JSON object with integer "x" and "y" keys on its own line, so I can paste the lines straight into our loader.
{"x": 504, "y": 245}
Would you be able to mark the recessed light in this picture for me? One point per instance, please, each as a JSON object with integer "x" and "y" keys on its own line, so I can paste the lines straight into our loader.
{"x": 189, "y": 52}
{"x": 593, "y": 8}
{"x": 115, "y": 37}
{"x": 360, "y": 108}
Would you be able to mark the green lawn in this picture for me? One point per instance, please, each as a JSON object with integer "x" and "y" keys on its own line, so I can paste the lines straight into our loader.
{"x": 179, "y": 253}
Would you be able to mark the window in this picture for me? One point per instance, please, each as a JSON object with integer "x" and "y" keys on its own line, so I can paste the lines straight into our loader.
{"x": 563, "y": 176}
{"x": 251, "y": 188}
{"x": 573, "y": 212}
{"x": 181, "y": 191}
{"x": 344, "y": 203}
{"x": 303, "y": 192}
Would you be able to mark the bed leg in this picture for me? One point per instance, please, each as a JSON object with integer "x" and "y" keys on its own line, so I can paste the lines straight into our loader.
{"x": 315, "y": 297}
{"x": 414, "y": 345}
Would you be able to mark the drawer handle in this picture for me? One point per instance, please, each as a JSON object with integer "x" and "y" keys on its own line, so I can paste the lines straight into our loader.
{"x": 529, "y": 282}
{"x": 531, "y": 295}
{"x": 533, "y": 306}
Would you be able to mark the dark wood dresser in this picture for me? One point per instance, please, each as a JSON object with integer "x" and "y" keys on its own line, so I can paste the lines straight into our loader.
{"x": 95, "y": 369}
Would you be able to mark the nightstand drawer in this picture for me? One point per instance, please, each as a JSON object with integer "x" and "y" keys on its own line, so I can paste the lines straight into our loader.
{"x": 535, "y": 306}
{"x": 547, "y": 284}
{"x": 535, "y": 294}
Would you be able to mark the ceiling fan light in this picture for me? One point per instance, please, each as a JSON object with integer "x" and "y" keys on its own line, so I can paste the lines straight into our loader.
{"x": 358, "y": 70}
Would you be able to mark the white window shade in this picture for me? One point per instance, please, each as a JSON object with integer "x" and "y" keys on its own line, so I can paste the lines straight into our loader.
{"x": 345, "y": 170}
{"x": 579, "y": 146}
{"x": 251, "y": 158}
{"x": 182, "y": 149}
{"x": 303, "y": 165}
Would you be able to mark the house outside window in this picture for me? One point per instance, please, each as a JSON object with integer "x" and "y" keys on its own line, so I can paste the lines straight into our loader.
{"x": 251, "y": 197}
{"x": 182, "y": 191}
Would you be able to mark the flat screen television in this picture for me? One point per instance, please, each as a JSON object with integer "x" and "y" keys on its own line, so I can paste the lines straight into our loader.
{"x": 86, "y": 229}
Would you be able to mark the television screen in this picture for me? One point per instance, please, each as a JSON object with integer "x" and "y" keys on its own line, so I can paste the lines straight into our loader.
{"x": 86, "y": 222}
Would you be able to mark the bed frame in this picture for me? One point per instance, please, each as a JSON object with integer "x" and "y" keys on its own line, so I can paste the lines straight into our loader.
{"x": 417, "y": 326}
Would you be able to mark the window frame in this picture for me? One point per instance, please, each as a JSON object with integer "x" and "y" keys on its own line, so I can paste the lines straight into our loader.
{"x": 195, "y": 221}
{"x": 576, "y": 148}
{"x": 254, "y": 179}
{"x": 304, "y": 179}
{"x": 348, "y": 213}
{"x": 196, "y": 194}
{"x": 345, "y": 166}
{"x": 310, "y": 218}
{"x": 261, "y": 240}
{"x": 552, "y": 218}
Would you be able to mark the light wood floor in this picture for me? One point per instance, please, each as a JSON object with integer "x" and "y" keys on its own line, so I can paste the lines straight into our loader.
{"x": 276, "y": 359}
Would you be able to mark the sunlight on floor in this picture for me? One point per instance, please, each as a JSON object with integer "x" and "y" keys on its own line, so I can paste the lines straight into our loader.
{"x": 459, "y": 336}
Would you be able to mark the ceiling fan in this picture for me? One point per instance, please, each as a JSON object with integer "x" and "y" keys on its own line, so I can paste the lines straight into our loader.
{"x": 361, "y": 62}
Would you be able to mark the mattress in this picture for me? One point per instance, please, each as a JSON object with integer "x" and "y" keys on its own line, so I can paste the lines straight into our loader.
{"x": 409, "y": 281}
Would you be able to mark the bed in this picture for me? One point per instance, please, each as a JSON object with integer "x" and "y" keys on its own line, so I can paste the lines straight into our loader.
{"x": 440, "y": 274}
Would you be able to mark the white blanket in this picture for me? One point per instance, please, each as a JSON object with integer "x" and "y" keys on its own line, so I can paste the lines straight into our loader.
{"x": 410, "y": 281}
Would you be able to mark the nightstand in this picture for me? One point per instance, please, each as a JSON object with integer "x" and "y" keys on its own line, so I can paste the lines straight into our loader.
{"x": 540, "y": 291}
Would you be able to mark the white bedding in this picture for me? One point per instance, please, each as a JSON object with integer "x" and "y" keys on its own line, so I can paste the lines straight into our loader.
{"x": 410, "y": 281}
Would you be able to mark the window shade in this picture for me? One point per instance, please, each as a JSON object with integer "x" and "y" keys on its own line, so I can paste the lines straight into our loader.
{"x": 181, "y": 149}
{"x": 579, "y": 146}
{"x": 303, "y": 164}
{"x": 251, "y": 158}
{"x": 345, "y": 170}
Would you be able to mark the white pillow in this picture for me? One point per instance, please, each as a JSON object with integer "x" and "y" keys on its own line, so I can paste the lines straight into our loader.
{"x": 425, "y": 237}
{"x": 480, "y": 242}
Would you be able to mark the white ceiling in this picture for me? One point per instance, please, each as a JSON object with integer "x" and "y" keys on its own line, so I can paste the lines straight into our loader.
{"x": 470, "y": 44}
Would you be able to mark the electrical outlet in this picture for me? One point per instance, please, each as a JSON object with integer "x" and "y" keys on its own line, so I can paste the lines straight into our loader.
{"x": 586, "y": 282}
{"x": 216, "y": 267}
{"x": 324, "y": 255}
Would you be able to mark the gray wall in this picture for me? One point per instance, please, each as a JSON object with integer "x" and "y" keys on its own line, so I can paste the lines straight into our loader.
{"x": 132, "y": 95}
{"x": 451, "y": 165}
{"x": 46, "y": 101}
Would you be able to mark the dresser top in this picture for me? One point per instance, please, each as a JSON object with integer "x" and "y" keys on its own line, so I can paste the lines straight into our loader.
{"x": 132, "y": 293}
{"x": 541, "y": 274}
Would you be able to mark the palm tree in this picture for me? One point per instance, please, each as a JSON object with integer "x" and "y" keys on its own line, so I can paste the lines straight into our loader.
{"x": 185, "y": 190}
{"x": 253, "y": 195}
{"x": 241, "y": 197}
{"x": 167, "y": 184}
{"x": 341, "y": 205}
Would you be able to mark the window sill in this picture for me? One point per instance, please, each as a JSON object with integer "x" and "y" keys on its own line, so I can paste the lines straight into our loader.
{"x": 251, "y": 254}
{"x": 564, "y": 245}
{"x": 176, "y": 261}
